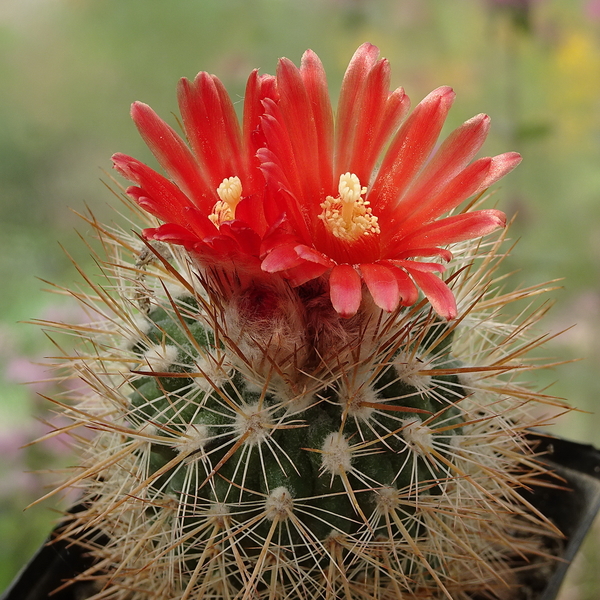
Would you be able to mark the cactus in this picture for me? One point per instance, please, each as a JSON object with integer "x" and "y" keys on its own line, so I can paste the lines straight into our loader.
{"x": 260, "y": 435}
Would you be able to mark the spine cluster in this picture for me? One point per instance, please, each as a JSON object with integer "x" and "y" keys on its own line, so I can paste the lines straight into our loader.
{"x": 249, "y": 443}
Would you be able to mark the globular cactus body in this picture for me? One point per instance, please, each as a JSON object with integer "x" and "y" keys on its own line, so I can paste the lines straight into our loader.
{"x": 382, "y": 459}
{"x": 329, "y": 450}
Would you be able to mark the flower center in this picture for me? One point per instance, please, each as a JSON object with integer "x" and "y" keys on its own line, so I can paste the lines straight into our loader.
{"x": 230, "y": 194}
{"x": 349, "y": 216}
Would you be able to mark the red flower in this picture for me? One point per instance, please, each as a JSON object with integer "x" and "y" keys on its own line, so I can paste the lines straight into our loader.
{"x": 337, "y": 213}
{"x": 212, "y": 205}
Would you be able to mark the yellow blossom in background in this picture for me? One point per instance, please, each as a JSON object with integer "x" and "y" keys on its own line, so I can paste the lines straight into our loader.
{"x": 576, "y": 86}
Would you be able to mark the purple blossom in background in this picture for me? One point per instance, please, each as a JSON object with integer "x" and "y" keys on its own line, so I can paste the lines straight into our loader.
{"x": 592, "y": 9}
{"x": 23, "y": 370}
{"x": 23, "y": 459}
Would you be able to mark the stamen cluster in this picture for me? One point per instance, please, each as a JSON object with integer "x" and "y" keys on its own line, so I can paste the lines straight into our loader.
{"x": 230, "y": 194}
{"x": 349, "y": 216}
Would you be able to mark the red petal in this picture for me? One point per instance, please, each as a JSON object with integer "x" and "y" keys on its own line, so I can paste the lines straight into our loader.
{"x": 345, "y": 290}
{"x": 453, "y": 156}
{"x": 312, "y": 255}
{"x": 250, "y": 211}
{"x": 173, "y": 155}
{"x": 272, "y": 160}
{"x": 501, "y": 165}
{"x": 258, "y": 88}
{"x": 455, "y": 229}
{"x": 304, "y": 272}
{"x": 281, "y": 258}
{"x": 315, "y": 82}
{"x": 425, "y": 252}
{"x": 296, "y": 109}
{"x": 161, "y": 197}
{"x": 347, "y": 116}
{"x": 280, "y": 233}
{"x": 437, "y": 292}
{"x": 383, "y": 285}
{"x": 233, "y": 151}
{"x": 465, "y": 184}
{"x": 173, "y": 234}
{"x": 476, "y": 177}
{"x": 396, "y": 108}
{"x": 376, "y": 119}
{"x": 247, "y": 239}
{"x": 423, "y": 267}
{"x": 211, "y": 126}
{"x": 223, "y": 246}
{"x": 278, "y": 164}
{"x": 410, "y": 149}
{"x": 407, "y": 289}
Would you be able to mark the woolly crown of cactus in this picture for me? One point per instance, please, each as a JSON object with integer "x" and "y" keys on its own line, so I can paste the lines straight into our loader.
{"x": 292, "y": 396}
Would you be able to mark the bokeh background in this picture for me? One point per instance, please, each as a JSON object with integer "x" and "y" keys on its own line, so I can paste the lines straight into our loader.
{"x": 69, "y": 70}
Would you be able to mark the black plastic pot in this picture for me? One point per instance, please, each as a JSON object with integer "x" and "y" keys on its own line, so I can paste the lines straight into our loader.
{"x": 52, "y": 565}
{"x": 571, "y": 509}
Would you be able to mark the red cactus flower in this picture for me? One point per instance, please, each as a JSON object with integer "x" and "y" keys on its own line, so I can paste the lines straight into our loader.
{"x": 337, "y": 213}
{"x": 212, "y": 203}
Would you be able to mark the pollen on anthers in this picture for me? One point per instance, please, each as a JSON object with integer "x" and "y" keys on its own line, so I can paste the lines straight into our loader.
{"x": 349, "y": 216}
{"x": 230, "y": 194}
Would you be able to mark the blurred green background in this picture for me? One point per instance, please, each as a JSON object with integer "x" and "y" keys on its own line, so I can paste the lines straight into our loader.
{"x": 69, "y": 70}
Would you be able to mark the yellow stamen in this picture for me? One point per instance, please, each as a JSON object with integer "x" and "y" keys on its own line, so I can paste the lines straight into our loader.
{"x": 230, "y": 194}
{"x": 349, "y": 216}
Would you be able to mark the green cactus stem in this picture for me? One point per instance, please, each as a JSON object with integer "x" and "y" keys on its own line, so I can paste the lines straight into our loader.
{"x": 374, "y": 457}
